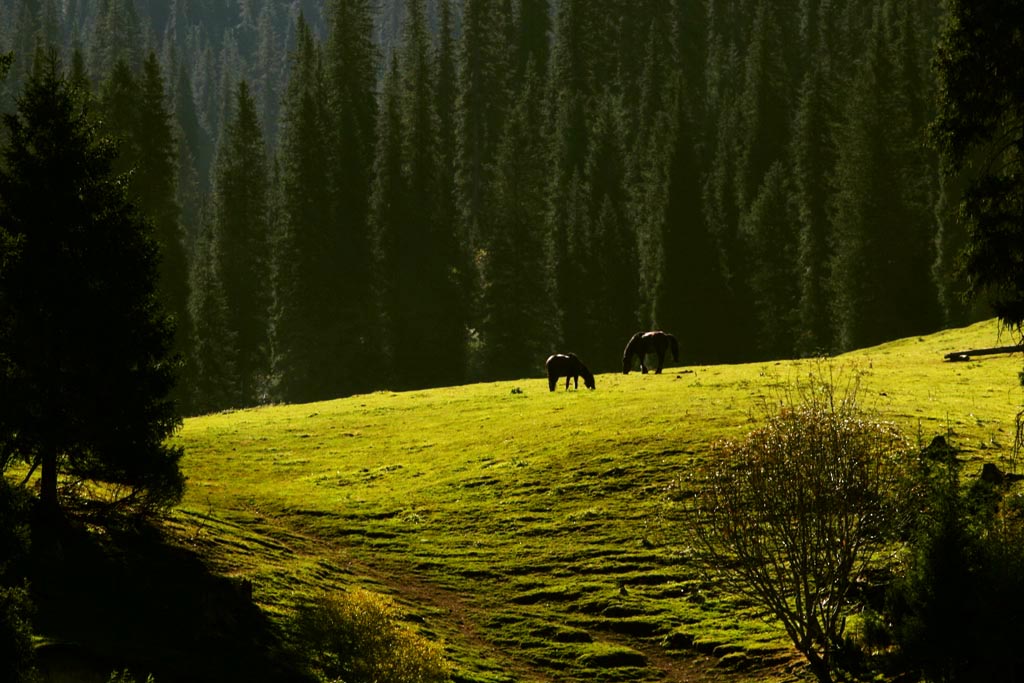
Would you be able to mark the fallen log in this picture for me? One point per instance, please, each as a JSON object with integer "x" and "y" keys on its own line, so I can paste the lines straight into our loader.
{"x": 959, "y": 356}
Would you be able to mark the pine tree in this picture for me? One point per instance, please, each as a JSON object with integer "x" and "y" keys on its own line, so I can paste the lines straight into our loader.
{"x": 614, "y": 285}
{"x": 268, "y": 73}
{"x": 195, "y": 137}
{"x": 154, "y": 187}
{"x": 308, "y": 325}
{"x": 518, "y": 321}
{"x": 136, "y": 113}
{"x": 49, "y": 24}
{"x": 951, "y": 241}
{"x": 240, "y": 231}
{"x": 978, "y": 131}
{"x": 117, "y": 37}
{"x": 767, "y": 228}
{"x": 446, "y": 88}
{"x": 431, "y": 318}
{"x": 813, "y": 158}
{"x": 721, "y": 214}
{"x": 534, "y": 38}
{"x": 88, "y": 363}
{"x": 389, "y": 209}
{"x": 118, "y": 100}
{"x": 481, "y": 105}
{"x": 351, "y": 63}
{"x": 882, "y": 228}
{"x": 212, "y": 367}
{"x": 78, "y": 76}
{"x": 445, "y": 94}
{"x": 763, "y": 103}
{"x": 690, "y": 287}
{"x": 568, "y": 220}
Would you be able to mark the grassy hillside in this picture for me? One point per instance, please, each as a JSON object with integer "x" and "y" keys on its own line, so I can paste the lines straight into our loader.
{"x": 525, "y": 528}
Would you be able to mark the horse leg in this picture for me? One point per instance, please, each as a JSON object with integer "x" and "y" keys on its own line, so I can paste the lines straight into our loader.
{"x": 552, "y": 381}
{"x": 643, "y": 366}
{"x": 661, "y": 362}
{"x": 567, "y": 378}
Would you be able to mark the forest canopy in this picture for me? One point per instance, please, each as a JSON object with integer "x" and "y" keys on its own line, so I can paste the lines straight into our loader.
{"x": 353, "y": 195}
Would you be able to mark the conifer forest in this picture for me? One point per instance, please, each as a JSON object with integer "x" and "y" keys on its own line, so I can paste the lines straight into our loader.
{"x": 352, "y": 195}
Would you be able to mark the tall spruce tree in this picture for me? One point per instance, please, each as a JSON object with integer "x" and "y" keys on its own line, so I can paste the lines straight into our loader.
{"x": 767, "y": 227}
{"x": 118, "y": 102}
{"x": 690, "y": 286}
{"x": 882, "y": 224}
{"x": 481, "y": 103}
{"x": 312, "y": 337}
{"x": 154, "y": 187}
{"x": 446, "y": 87}
{"x": 268, "y": 72}
{"x": 211, "y": 367}
{"x": 88, "y": 365}
{"x": 533, "y": 45}
{"x": 813, "y": 158}
{"x": 430, "y": 320}
{"x": 195, "y": 137}
{"x": 240, "y": 229}
{"x": 978, "y": 131}
{"x": 568, "y": 219}
{"x": 351, "y": 63}
{"x": 517, "y": 297}
{"x": 388, "y": 211}
{"x": 613, "y": 287}
{"x": 117, "y": 37}
{"x": 134, "y": 110}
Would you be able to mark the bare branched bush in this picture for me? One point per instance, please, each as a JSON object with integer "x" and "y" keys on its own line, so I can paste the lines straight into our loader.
{"x": 799, "y": 511}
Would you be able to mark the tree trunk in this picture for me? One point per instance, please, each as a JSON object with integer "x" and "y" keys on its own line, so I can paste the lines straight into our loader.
{"x": 48, "y": 481}
{"x": 819, "y": 667}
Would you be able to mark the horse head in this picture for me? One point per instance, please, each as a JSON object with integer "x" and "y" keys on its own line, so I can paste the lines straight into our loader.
{"x": 631, "y": 348}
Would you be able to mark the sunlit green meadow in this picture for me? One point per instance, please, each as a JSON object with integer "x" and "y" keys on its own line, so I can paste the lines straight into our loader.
{"x": 525, "y": 528}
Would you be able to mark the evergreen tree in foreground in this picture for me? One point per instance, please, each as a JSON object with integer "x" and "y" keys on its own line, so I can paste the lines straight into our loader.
{"x": 979, "y": 134}
{"x": 85, "y": 348}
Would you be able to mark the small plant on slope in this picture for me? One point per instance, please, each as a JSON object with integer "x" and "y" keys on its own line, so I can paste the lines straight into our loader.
{"x": 357, "y": 638}
{"x": 797, "y": 512}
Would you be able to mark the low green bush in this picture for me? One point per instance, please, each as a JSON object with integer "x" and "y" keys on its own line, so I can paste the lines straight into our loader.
{"x": 956, "y": 611}
{"x": 16, "y": 654}
{"x": 358, "y": 637}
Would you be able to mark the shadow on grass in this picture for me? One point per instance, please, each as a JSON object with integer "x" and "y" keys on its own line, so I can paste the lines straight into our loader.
{"x": 111, "y": 599}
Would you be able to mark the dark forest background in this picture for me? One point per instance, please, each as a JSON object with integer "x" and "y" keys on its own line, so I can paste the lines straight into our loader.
{"x": 352, "y": 195}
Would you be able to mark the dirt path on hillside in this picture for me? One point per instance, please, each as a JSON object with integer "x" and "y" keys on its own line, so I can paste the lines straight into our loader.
{"x": 458, "y": 617}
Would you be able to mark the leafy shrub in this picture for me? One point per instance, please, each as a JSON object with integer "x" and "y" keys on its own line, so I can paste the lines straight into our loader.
{"x": 16, "y": 655}
{"x": 794, "y": 516}
{"x": 357, "y": 637}
{"x": 14, "y": 531}
{"x": 125, "y": 676}
{"x": 958, "y": 608}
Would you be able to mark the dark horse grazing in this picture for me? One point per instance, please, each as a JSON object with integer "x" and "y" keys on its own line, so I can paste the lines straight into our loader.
{"x": 643, "y": 343}
{"x": 570, "y": 367}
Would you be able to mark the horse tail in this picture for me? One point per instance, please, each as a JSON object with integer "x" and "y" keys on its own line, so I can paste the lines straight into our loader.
{"x": 675, "y": 346}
